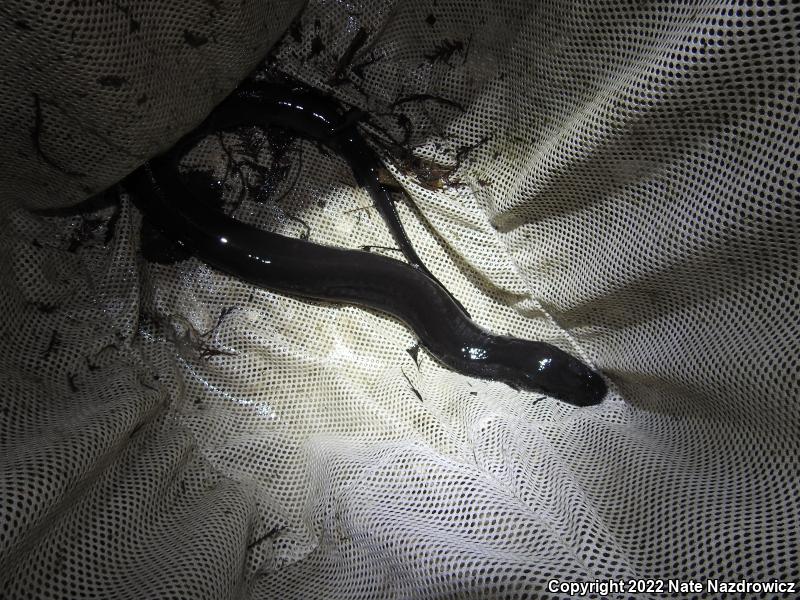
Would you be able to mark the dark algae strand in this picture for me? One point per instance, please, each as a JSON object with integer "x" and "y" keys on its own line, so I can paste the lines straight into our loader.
{"x": 298, "y": 267}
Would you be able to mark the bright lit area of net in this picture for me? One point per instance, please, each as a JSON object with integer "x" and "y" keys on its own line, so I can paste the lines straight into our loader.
{"x": 383, "y": 300}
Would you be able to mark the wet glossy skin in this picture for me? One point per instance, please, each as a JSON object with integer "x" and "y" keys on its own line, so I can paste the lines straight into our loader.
{"x": 315, "y": 117}
{"x": 303, "y": 268}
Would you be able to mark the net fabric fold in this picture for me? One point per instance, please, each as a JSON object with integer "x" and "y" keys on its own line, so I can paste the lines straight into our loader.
{"x": 619, "y": 179}
{"x": 90, "y": 90}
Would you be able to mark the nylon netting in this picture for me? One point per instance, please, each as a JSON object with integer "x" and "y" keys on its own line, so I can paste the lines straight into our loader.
{"x": 617, "y": 178}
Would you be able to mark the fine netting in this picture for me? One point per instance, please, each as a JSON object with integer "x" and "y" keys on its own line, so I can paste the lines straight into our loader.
{"x": 617, "y": 178}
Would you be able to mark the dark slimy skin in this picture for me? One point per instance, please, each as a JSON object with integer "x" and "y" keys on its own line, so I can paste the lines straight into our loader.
{"x": 316, "y": 117}
{"x": 298, "y": 267}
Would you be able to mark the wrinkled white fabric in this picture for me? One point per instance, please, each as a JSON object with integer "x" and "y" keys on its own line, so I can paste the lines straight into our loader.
{"x": 169, "y": 431}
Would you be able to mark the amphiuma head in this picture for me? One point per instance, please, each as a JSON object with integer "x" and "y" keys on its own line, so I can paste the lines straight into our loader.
{"x": 540, "y": 367}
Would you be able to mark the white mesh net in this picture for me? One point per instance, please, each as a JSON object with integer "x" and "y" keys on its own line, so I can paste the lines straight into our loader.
{"x": 626, "y": 189}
